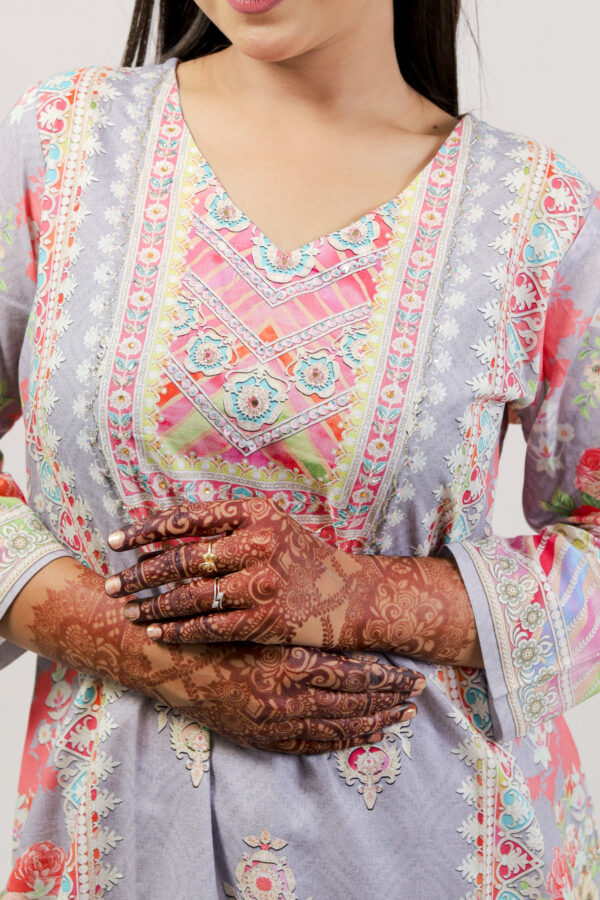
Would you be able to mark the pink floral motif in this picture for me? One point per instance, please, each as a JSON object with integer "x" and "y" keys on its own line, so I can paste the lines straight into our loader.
{"x": 370, "y": 766}
{"x": 559, "y": 880}
{"x": 592, "y": 374}
{"x": 573, "y": 843}
{"x": 263, "y": 875}
{"x": 587, "y": 478}
{"x": 38, "y": 871}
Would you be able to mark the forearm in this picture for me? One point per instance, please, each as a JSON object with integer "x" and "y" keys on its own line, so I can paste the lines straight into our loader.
{"x": 289, "y": 699}
{"x": 63, "y": 613}
{"x": 418, "y": 606}
{"x": 424, "y": 610}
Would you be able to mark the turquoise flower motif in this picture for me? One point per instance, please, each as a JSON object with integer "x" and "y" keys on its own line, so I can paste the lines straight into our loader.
{"x": 208, "y": 354}
{"x": 221, "y": 212}
{"x": 358, "y": 237}
{"x": 353, "y": 346}
{"x": 254, "y": 398}
{"x": 206, "y": 176}
{"x": 316, "y": 374}
{"x": 280, "y": 265}
{"x": 188, "y": 318}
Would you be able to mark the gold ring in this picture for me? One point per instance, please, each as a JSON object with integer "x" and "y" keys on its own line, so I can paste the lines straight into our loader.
{"x": 209, "y": 560}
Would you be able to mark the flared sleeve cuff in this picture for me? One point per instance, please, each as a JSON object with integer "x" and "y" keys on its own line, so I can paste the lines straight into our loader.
{"x": 486, "y": 617}
{"x": 26, "y": 546}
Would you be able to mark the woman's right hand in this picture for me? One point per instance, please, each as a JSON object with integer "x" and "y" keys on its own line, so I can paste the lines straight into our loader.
{"x": 291, "y": 699}
{"x": 286, "y": 699}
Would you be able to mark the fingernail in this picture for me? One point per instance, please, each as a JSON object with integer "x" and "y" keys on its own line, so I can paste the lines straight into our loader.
{"x": 116, "y": 539}
{"x": 410, "y": 714}
{"x": 112, "y": 585}
{"x": 154, "y": 632}
{"x": 132, "y": 610}
{"x": 375, "y": 738}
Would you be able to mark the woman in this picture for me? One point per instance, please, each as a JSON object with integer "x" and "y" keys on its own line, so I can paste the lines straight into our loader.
{"x": 306, "y": 402}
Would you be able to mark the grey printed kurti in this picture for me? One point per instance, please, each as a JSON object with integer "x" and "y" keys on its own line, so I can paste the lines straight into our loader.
{"x": 160, "y": 347}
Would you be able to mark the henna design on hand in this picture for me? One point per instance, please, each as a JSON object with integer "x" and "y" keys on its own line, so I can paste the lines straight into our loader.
{"x": 289, "y": 699}
{"x": 321, "y": 597}
{"x": 190, "y": 599}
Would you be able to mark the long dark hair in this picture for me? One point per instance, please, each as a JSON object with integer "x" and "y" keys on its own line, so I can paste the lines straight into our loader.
{"x": 424, "y": 35}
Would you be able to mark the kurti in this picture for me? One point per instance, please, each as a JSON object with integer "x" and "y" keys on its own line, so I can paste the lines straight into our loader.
{"x": 161, "y": 348}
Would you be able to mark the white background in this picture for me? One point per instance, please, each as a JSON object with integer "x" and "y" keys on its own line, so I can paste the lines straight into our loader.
{"x": 539, "y": 76}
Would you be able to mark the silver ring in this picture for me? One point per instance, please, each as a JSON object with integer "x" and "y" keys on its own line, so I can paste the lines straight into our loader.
{"x": 217, "y": 596}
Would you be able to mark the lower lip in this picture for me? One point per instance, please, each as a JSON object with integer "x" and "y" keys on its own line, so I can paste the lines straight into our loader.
{"x": 253, "y": 6}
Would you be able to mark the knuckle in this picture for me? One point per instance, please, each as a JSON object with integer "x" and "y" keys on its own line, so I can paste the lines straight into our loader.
{"x": 130, "y": 579}
{"x": 146, "y": 610}
{"x": 262, "y": 541}
{"x": 265, "y": 581}
{"x": 169, "y": 634}
{"x": 149, "y": 609}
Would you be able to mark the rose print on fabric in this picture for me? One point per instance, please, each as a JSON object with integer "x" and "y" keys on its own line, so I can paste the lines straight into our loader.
{"x": 574, "y": 868}
{"x": 589, "y": 398}
{"x": 587, "y": 482}
{"x": 263, "y": 875}
{"x": 38, "y": 872}
{"x": 587, "y": 477}
{"x": 559, "y": 882}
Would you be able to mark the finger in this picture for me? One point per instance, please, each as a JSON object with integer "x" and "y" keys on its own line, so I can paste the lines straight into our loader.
{"x": 341, "y": 729}
{"x": 190, "y": 519}
{"x": 207, "y": 629}
{"x": 238, "y": 590}
{"x": 315, "y": 703}
{"x": 243, "y": 549}
{"x": 341, "y": 673}
{"x": 311, "y": 748}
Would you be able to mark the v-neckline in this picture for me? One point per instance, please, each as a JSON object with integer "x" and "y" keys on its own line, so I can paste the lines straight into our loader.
{"x": 314, "y": 243}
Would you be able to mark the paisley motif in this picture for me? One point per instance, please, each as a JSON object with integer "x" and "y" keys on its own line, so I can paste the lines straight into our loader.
{"x": 372, "y": 765}
{"x": 263, "y": 875}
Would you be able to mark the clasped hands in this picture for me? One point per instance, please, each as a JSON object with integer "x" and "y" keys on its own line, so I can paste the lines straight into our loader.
{"x": 278, "y": 584}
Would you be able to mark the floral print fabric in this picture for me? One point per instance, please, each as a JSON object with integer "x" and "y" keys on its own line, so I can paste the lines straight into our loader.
{"x": 160, "y": 347}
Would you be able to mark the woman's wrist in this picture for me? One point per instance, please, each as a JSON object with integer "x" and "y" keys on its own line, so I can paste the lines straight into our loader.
{"x": 62, "y": 575}
{"x": 417, "y": 606}
{"x": 64, "y": 614}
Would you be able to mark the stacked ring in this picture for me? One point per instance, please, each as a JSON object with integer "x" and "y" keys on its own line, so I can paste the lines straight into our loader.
{"x": 217, "y": 596}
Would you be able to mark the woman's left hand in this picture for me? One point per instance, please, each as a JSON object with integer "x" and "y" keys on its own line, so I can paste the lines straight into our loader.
{"x": 276, "y": 582}
{"x": 280, "y": 584}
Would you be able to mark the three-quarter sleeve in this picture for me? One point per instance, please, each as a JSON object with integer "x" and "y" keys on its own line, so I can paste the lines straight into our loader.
{"x": 536, "y": 598}
{"x": 26, "y": 545}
